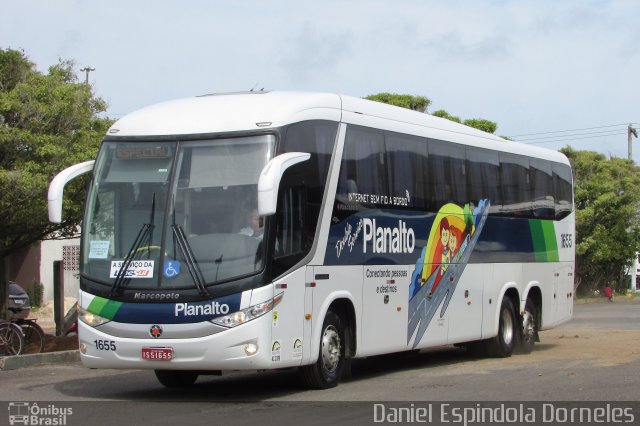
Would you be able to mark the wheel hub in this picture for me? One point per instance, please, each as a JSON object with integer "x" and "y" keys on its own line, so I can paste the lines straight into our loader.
{"x": 507, "y": 327}
{"x": 528, "y": 326}
{"x": 330, "y": 349}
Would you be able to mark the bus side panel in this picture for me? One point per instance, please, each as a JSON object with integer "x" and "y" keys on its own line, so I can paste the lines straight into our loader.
{"x": 384, "y": 313}
{"x": 557, "y": 299}
{"x": 331, "y": 284}
{"x": 465, "y": 309}
{"x": 565, "y": 236}
{"x": 288, "y": 341}
{"x": 504, "y": 276}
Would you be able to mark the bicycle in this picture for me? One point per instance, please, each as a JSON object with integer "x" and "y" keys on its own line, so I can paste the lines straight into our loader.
{"x": 11, "y": 339}
{"x": 33, "y": 335}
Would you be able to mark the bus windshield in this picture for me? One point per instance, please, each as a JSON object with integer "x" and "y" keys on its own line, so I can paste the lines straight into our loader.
{"x": 175, "y": 214}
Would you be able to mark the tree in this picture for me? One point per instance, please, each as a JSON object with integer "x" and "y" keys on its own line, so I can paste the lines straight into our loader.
{"x": 444, "y": 114}
{"x": 477, "y": 123}
{"x": 421, "y": 103}
{"x": 47, "y": 122}
{"x": 481, "y": 124}
{"x": 607, "y": 223}
{"x": 416, "y": 103}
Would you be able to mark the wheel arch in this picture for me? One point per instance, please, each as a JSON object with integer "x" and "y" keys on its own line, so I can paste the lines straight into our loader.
{"x": 343, "y": 304}
{"x": 533, "y": 293}
{"x": 509, "y": 290}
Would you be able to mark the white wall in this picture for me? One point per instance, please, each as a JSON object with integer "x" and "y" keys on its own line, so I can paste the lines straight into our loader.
{"x": 52, "y": 250}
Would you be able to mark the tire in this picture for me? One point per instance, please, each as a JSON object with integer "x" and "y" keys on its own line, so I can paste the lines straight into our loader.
{"x": 325, "y": 373}
{"x": 11, "y": 339}
{"x": 503, "y": 344}
{"x": 529, "y": 329}
{"x": 176, "y": 378}
{"x": 33, "y": 337}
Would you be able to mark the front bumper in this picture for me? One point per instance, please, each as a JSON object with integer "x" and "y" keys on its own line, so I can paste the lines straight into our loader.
{"x": 220, "y": 351}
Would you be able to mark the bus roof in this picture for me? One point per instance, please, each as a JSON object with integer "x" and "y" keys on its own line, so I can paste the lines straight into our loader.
{"x": 245, "y": 111}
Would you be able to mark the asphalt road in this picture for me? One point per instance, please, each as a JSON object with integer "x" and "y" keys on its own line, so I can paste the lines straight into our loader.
{"x": 594, "y": 357}
{"x": 622, "y": 314}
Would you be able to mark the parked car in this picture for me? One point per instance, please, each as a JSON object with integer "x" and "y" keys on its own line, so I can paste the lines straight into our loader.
{"x": 19, "y": 305}
{"x": 70, "y": 322}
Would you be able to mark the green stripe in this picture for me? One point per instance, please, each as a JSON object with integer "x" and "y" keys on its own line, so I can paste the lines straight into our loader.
{"x": 96, "y": 305}
{"x": 550, "y": 241}
{"x": 537, "y": 238}
{"x": 110, "y": 309}
{"x": 104, "y": 307}
{"x": 543, "y": 237}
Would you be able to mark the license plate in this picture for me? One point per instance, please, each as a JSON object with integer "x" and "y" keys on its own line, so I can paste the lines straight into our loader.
{"x": 157, "y": 354}
{"x": 19, "y": 302}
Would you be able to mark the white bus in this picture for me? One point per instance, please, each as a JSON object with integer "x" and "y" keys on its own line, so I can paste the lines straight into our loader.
{"x": 266, "y": 230}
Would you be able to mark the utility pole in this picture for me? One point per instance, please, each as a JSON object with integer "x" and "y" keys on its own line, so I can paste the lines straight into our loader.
{"x": 88, "y": 69}
{"x": 631, "y": 131}
{"x": 634, "y": 264}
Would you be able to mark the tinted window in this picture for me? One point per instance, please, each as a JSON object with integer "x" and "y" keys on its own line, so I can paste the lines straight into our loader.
{"x": 483, "y": 177}
{"x": 447, "y": 173}
{"x": 302, "y": 188}
{"x": 516, "y": 186}
{"x": 363, "y": 169}
{"x": 407, "y": 158}
{"x": 562, "y": 179}
{"x": 542, "y": 188}
{"x": 432, "y": 173}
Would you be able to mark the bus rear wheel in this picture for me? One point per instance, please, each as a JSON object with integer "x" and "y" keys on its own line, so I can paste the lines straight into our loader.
{"x": 326, "y": 371}
{"x": 529, "y": 328}
{"x": 503, "y": 344}
{"x": 176, "y": 378}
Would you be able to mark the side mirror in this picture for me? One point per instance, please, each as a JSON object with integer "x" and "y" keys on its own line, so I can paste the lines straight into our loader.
{"x": 56, "y": 188}
{"x": 270, "y": 177}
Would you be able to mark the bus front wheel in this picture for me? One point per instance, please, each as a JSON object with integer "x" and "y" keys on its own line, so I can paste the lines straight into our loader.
{"x": 176, "y": 378}
{"x": 326, "y": 371}
{"x": 503, "y": 344}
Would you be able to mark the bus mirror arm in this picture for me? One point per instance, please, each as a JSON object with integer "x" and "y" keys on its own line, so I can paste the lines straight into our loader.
{"x": 56, "y": 188}
{"x": 270, "y": 177}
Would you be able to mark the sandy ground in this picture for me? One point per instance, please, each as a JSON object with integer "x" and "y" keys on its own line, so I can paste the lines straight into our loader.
{"x": 604, "y": 348}
{"x": 45, "y": 318}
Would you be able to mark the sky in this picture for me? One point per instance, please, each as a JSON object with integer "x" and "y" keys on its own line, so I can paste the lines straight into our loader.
{"x": 550, "y": 73}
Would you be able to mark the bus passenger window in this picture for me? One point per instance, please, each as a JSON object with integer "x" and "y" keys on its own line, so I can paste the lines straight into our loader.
{"x": 483, "y": 178}
{"x": 363, "y": 163}
{"x": 562, "y": 179}
{"x": 542, "y": 188}
{"x": 447, "y": 173}
{"x": 407, "y": 168}
{"x": 516, "y": 186}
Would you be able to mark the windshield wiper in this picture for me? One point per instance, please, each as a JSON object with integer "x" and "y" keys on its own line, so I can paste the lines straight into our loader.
{"x": 144, "y": 235}
{"x": 190, "y": 259}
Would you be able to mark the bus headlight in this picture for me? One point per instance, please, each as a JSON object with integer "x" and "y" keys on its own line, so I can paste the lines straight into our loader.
{"x": 245, "y": 315}
{"x": 90, "y": 319}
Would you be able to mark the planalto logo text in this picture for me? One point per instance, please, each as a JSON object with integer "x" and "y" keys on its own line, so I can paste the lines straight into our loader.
{"x": 211, "y": 308}
{"x": 388, "y": 240}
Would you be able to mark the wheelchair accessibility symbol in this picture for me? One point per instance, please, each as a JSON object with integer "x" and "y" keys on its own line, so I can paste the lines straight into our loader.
{"x": 171, "y": 268}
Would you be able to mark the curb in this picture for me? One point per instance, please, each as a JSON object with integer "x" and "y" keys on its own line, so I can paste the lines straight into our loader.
{"x": 22, "y": 361}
